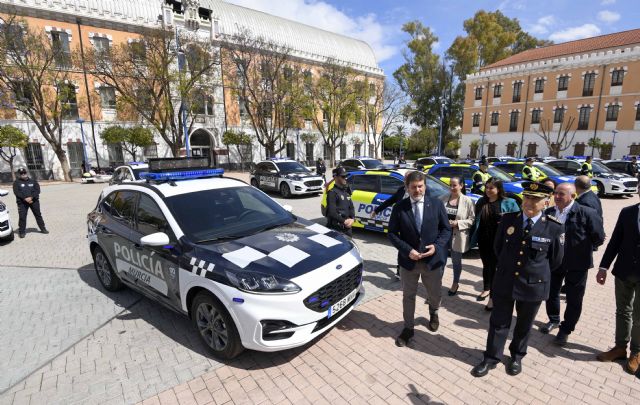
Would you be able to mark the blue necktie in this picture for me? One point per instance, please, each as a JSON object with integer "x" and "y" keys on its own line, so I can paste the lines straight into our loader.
{"x": 416, "y": 214}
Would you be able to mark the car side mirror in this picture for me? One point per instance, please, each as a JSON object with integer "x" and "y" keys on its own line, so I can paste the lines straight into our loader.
{"x": 288, "y": 208}
{"x": 155, "y": 239}
{"x": 3, "y": 192}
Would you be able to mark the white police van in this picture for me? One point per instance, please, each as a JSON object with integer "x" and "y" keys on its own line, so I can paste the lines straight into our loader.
{"x": 287, "y": 176}
{"x": 249, "y": 273}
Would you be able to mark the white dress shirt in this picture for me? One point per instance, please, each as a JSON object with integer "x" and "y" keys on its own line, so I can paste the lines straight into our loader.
{"x": 561, "y": 215}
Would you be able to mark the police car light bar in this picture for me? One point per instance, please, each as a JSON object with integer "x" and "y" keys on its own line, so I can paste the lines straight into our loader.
{"x": 181, "y": 175}
{"x": 136, "y": 163}
{"x": 275, "y": 159}
{"x": 175, "y": 164}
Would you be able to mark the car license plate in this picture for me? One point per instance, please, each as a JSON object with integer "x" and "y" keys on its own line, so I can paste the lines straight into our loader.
{"x": 338, "y": 306}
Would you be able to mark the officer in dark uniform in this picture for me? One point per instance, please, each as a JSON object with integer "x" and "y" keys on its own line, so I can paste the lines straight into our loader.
{"x": 340, "y": 211}
{"x": 27, "y": 192}
{"x": 529, "y": 246}
{"x": 480, "y": 178}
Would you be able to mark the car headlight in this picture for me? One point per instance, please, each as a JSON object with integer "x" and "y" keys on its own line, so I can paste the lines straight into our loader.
{"x": 253, "y": 282}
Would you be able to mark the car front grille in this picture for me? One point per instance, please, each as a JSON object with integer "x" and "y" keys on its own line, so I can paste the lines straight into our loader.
{"x": 322, "y": 299}
{"x": 630, "y": 184}
{"x": 313, "y": 183}
{"x": 4, "y": 225}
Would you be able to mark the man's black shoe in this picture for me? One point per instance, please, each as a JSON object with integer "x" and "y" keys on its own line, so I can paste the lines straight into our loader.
{"x": 21, "y": 235}
{"x": 482, "y": 369}
{"x": 44, "y": 230}
{"x": 548, "y": 327}
{"x": 434, "y": 323}
{"x": 514, "y": 367}
{"x": 561, "y": 338}
{"x": 405, "y": 336}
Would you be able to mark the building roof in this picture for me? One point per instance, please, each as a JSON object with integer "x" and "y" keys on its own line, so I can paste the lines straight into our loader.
{"x": 579, "y": 46}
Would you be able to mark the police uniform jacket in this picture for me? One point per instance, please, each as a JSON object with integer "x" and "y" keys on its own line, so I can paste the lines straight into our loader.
{"x": 525, "y": 263}
{"x": 530, "y": 173}
{"x": 339, "y": 206}
{"x": 583, "y": 232}
{"x": 26, "y": 188}
{"x": 624, "y": 245}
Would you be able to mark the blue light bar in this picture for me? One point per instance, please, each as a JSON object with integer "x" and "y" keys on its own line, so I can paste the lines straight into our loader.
{"x": 275, "y": 159}
{"x": 136, "y": 163}
{"x": 181, "y": 175}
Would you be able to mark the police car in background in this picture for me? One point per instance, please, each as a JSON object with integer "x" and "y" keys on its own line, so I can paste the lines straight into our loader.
{"x": 606, "y": 180}
{"x": 246, "y": 271}
{"x": 363, "y": 163}
{"x": 6, "y": 230}
{"x": 129, "y": 173}
{"x": 287, "y": 176}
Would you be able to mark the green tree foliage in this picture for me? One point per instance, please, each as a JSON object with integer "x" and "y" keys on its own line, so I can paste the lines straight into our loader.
{"x": 241, "y": 140}
{"x": 11, "y": 139}
{"x": 131, "y": 138}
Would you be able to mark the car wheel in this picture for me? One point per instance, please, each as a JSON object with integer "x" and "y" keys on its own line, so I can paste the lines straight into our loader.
{"x": 108, "y": 278}
{"x": 215, "y": 326}
{"x": 600, "y": 189}
{"x": 285, "y": 191}
{"x": 254, "y": 183}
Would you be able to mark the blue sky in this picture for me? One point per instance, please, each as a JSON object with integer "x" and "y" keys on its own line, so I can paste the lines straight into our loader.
{"x": 379, "y": 22}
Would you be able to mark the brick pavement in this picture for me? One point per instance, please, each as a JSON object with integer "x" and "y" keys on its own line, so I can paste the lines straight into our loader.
{"x": 123, "y": 349}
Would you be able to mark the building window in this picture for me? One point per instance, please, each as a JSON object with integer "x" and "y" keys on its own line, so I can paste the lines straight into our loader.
{"x": 150, "y": 151}
{"x": 583, "y": 118}
{"x": 535, "y": 116}
{"x": 203, "y": 104}
{"x": 589, "y": 83}
{"x": 138, "y": 51}
{"x": 612, "y": 112}
{"x": 107, "y": 97}
{"x": 511, "y": 149}
{"x": 517, "y": 89}
{"x": 497, "y": 91}
{"x": 578, "y": 149}
{"x": 343, "y": 151}
{"x": 102, "y": 46}
{"x": 68, "y": 101}
{"x": 558, "y": 115}
{"x": 495, "y": 116}
{"x": 62, "y": 52}
{"x": 14, "y": 37}
{"x": 308, "y": 147}
{"x": 532, "y": 149}
{"x": 638, "y": 112}
{"x": 33, "y": 152}
{"x": 357, "y": 149}
{"x": 479, "y": 93}
{"x": 513, "y": 121}
{"x": 76, "y": 156}
{"x": 539, "y": 88}
{"x": 476, "y": 120}
{"x": 291, "y": 150}
{"x": 24, "y": 93}
{"x": 326, "y": 152}
{"x": 617, "y": 77}
{"x": 116, "y": 157}
{"x": 563, "y": 83}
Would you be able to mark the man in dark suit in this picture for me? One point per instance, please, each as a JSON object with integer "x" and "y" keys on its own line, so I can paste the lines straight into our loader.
{"x": 529, "y": 246}
{"x": 419, "y": 229}
{"x": 584, "y": 233}
{"x": 586, "y": 196}
{"x": 624, "y": 247}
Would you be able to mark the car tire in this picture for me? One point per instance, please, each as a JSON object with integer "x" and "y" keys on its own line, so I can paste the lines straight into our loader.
{"x": 600, "y": 186}
{"x": 255, "y": 184}
{"x": 107, "y": 277}
{"x": 285, "y": 191}
{"x": 215, "y": 326}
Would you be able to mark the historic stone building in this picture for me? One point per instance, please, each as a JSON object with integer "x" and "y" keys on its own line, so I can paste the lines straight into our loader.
{"x": 593, "y": 83}
{"x": 103, "y": 23}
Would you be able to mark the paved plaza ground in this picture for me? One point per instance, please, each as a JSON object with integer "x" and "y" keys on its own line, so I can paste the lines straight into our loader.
{"x": 66, "y": 340}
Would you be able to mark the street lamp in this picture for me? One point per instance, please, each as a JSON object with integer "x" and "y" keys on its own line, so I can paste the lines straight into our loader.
{"x": 482, "y": 135}
{"x": 613, "y": 144}
{"x": 441, "y": 122}
{"x": 183, "y": 110}
{"x": 87, "y": 164}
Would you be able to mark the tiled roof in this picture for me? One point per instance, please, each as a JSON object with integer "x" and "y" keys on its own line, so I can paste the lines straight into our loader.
{"x": 572, "y": 47}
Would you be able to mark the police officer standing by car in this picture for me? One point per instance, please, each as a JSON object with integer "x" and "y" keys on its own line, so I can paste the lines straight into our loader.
{"x": 480, "y": 178}
{"x": 529, "y": 246}
{"x": 587, "y": 169}
{"x": 321, "y": 169}
{"x": 529, "y": 172}
{"x": 340, "y": 211}
{"x": 27, "y": 192}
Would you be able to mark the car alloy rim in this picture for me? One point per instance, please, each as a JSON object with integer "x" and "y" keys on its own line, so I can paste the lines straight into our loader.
{"x": 103, "y": 269}
{"x": 285, "y": 190}
{"x": 212, "y": 327}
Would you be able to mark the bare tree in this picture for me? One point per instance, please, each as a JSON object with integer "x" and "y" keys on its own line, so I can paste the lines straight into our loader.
{"x": 557, "y": 140}
{"x": 384, "y": 110}
{"x": 269, "y": 84}
{"x": 157, "y": 77}
{"x": 36, "y": 80}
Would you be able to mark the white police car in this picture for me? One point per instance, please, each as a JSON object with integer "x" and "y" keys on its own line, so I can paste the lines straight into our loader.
{"x": 6, "y": 230}
{"x": 286, "y": 176}
{"x": 129, "y": 173}
{"x": 247, "y": 272}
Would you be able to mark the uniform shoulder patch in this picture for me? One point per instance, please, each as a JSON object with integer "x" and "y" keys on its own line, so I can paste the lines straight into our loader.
{"x": 554, "y": 219}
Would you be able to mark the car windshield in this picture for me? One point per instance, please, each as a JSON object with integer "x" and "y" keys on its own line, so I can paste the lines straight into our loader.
{"x": 371, "y": 163}
{"x": 226, "y": 213}
{"x": 600, "y": 168}
{"x": 444, "y": 160}
{"x": 436, "y": 188}
{"x": 291, "y": 167}
{"x": 548, "y": 170}
{"x": 500, "y": 174}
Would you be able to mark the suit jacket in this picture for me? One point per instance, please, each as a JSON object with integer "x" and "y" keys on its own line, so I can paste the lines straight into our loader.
{"x": 525, "y": 262}
{"x": 583, "y": 233}
{"x": 405, "y": 236}
{"x": 625, "y": 245}
{"x": 590, "y": 199}
{"x": 460, "y": 240}
{"x": 394, "y": 199}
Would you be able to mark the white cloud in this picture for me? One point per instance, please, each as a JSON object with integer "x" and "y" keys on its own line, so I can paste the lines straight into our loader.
{"x": 605, "y": 2}
{"x": 325, "y": 16}
{"x": 570, "y": 34}
{"x": 542, "y": 25}
{"x": 608, "y": 16}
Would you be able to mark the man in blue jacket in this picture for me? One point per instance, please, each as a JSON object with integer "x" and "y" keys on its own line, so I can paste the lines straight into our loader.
{"x": 586, "y": 196}
{"x": 584, "y": 233}
{"x": 624, "y": 247}
{"x": 419, "y": 229}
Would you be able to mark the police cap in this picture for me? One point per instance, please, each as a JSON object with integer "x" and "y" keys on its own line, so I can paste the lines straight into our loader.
{"x": 535, "y": 189}
{"x": 22, "y": 171}
{"x": 339, "y": 171}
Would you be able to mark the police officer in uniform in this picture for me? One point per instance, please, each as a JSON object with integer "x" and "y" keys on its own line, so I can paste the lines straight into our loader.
{"x": 529, "y": 246}
{"x": 529, "y": 172}
{"x": 586, "y": 168}
{"x": 27, "y": 192}
{"x": 340, "y": 211}
{"x": 480, "y": 178}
